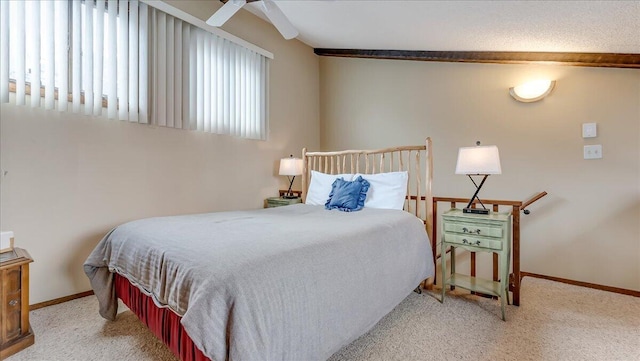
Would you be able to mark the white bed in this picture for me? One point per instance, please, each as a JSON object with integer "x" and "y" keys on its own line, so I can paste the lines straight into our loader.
{"x": 288, "y": 283}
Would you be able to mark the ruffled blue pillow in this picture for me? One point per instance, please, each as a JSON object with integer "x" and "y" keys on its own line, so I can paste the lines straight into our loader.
{"x": 347, "y": 196}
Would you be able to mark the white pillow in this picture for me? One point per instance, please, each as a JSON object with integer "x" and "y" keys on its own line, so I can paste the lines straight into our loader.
{"x": 386, "y": 190}
{"x": 320, "y": 187}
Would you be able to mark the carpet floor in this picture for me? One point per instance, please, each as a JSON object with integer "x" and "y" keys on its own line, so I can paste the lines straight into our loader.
{"x": 555, "y": 321}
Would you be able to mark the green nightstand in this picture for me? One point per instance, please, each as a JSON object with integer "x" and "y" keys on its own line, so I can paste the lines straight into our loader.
{"x": 279, "y": 201}
{"x": 477, "y": 233}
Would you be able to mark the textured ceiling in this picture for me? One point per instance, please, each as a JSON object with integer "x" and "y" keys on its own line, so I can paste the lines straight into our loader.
{"x": 558, "y": 26}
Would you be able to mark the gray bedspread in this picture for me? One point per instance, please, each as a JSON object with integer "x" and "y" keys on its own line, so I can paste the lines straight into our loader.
{"x": 287, "y": 283}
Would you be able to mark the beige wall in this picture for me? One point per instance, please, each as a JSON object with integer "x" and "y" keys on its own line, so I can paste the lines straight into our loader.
{"x": 71, "y": 178}
{"x": 588, "y": 227}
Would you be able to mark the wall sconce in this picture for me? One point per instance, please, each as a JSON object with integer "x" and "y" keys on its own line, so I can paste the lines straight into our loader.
{"x": 532, "y": 91}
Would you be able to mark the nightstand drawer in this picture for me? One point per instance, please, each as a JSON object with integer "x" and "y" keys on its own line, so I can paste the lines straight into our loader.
{"x": 276, "y": 203}
{"x": 279, "y": 202}
{"x": 477, "y": 242}
{"x": 474, "y": 229}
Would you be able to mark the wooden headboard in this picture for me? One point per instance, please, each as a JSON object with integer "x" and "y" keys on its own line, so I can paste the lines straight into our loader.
{"x": 416, "y": 160}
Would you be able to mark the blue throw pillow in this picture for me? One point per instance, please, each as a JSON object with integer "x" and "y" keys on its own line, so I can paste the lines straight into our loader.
{"x": 347, "y": 196}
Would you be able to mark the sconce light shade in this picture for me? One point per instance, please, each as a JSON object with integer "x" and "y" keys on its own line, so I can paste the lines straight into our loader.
{"x": 290, "y": 166}
{"x": 478, "y": 160}
{"x": 532, "y": 91}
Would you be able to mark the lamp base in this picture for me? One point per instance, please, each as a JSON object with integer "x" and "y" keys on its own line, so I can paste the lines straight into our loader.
{"x": 289, "y": 197}
{"x": 476, "y": 210}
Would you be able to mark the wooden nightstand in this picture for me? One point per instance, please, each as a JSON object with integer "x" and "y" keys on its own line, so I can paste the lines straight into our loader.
{"x": 279, "y": 202}
{"x": 477, "y": 233}
{"x": 15, "y": 332}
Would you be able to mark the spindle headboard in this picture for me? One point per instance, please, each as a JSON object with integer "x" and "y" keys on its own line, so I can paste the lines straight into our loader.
{"x": 416, "y": 160}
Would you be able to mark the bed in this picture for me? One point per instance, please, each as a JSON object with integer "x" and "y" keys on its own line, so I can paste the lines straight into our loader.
{"x": 288, "y": 283}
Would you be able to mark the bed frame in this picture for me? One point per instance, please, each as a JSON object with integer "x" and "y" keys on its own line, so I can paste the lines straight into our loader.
{"x": 416, "y": 160}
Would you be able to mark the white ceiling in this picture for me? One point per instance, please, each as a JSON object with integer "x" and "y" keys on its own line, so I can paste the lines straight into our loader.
{"x": 558, "y": 26}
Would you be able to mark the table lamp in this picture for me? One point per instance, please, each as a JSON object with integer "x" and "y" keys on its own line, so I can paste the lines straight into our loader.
{"x": 478, "y": 161}
{"x": 290, "y": 167}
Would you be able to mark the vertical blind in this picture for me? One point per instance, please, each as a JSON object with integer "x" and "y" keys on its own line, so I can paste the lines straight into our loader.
{"x": 204, "y": 82}
{"x": 129, "y": 61}
{"x": 94, "y": 57}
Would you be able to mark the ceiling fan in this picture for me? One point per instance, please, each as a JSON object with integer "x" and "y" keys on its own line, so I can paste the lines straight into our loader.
{"x": 268, "y": 7}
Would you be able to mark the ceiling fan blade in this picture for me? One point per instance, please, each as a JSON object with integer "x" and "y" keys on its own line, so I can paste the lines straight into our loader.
{"x": 278, "y": 19}
{"x": 225, "y": 12}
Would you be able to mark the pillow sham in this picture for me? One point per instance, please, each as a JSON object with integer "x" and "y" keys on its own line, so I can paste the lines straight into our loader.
{"x": 347, "y": 196}
{"x": 387, "y": 190}
{"x": 320, "y": 187}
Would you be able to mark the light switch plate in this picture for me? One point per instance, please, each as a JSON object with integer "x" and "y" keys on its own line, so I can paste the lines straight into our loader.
{"x": 589, "y": 130}
{"x": 593, "y": 151}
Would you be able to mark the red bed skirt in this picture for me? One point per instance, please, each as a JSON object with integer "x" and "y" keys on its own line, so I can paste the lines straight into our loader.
{"x": 164, "y": 323}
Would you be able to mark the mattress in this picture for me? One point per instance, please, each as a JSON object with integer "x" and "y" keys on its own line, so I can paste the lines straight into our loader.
{"x": 287, "y": 283}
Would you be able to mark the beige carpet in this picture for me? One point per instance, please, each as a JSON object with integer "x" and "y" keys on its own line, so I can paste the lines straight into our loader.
{"x": 554, "y": 322}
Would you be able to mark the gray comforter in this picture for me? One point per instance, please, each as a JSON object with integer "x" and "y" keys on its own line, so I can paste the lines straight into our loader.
{"x": 287, "y": 283}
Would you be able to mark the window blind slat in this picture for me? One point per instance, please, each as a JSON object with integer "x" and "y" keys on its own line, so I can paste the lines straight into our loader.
{"x": 133, "y": 61}
{"x": 169, "y": 74}
{"x": 87, "y": 58}
{"x": 48, "y": 53}
{"x": 232, "y": 90}
{"x": 206, "y": 67}
{"x": 177, "y": 83}
{"x": 143, "y": 60}
{"x": 250, "y": 91}
{"x": 264, "y": 101}
{"x": 18, "y": 48}
{"x": 4, "y": 51}
{"x": 255, "y": 61}
{"x": 18, "y": 51}
{"x": 193, "y": 62}
{"x": 200, "y": 84}
{"x": 123, "y": 60}
{"x": 61, "y": 17}
{"x": 186, "y": 78}
{"x": 243, "y": 93}
{"x": 161, "y": 76}
{"x": 215, "y": 59}
{"x": 153, "y": 64}
{"x": 220, "y": 86}
{"x": 226, "y": 90}
{"x": 111, "y": 53}
{"x": 76, "y": 45}
{"x": 34, "y": 66}
{"x": 98, "y": 62}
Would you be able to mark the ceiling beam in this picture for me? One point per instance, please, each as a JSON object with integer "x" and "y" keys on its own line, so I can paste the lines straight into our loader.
{"x": 608, "y": 60}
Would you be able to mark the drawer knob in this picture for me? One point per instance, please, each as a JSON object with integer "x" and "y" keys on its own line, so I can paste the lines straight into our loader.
{"x": 467, "y": 230}
{"x": 13, "y": 302}
{"x": 465, "y": 241}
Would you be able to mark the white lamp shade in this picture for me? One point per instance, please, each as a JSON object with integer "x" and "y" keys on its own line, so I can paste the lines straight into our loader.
{"x": 290, "y": 166}
{"x": 532, "y": 91}
{"x": 478, "y": 160}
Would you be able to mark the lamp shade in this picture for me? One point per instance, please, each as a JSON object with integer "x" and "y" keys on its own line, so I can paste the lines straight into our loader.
{"x": 532, "y": 91}
{"x": 478, "y": 160}
{"x": 290, "y": 166}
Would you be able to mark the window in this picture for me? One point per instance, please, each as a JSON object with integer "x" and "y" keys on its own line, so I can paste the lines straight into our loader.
{"x": 204, "y": 82}
{"x": 86, "y": 52}
{"x": 129, "y": 61}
